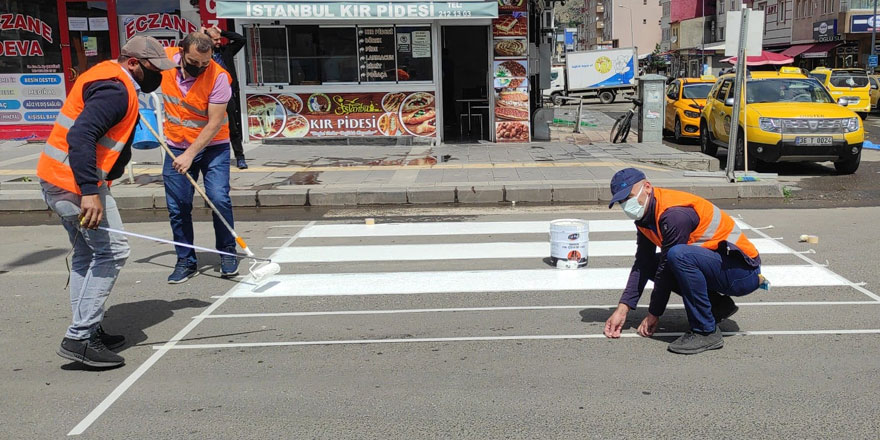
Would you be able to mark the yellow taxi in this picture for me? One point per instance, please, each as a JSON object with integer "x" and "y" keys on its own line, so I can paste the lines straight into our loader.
{"x": 852, "y": 84}
{"x": 685, "y": 99}
{"x": 875, "y": 91}
{"x": 789, "y": 118}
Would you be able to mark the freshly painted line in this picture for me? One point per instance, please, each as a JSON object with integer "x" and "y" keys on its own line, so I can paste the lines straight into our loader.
{"x": 538, "y": 280}
{"x": 458, "y": 228}
{"x": 506, "y": 338}
{"x": 465, "y": 251}
{"x": 162, "y": 349}
{"x": 843, "y": 280}
{"x": 512, "y": 308}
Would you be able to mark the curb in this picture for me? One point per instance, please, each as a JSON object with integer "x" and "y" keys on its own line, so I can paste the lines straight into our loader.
{"x": 480, "y": 194}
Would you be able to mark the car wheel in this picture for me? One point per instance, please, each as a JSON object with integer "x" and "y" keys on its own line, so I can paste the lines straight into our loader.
{"x": 848, "y": 166}
{"x": 740, "y": 159}
{"x": 707, "y": 147}
{"x": 676, "y": 131}
{"x": 606, "y": 97}
{"x": 556, "y": 98}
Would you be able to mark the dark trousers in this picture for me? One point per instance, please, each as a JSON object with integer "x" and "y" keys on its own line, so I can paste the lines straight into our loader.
{"x": 213, "y": 164}
{"x": 698, "y": 271}
{"x": 233, "y": 112}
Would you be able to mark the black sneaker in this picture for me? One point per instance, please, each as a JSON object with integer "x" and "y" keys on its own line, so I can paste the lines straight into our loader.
{"x": 228, "y": 266}
{"x": 242, "y": 165}
{"x": 182, "y": 272}
{"x": 91, "y": 352}
{"x": 723, "y": 306}
{"x": 111, "y": 341}
{"x": 693, "y": 343}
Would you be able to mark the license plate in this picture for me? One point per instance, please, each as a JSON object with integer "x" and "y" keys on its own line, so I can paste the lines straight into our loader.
{"x": 813, "y": 140}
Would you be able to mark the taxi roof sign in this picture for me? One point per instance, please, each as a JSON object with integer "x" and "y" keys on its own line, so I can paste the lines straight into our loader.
{"x": 707, "y": 77}
{"x": 790, "y": 69}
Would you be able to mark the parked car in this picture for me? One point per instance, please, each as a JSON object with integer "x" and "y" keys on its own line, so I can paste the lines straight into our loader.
{"x": 789, "y": 118}
{"x": 685, "y": 99}
{"x": 875, "y": 91}
{"x": 852, "y": 84}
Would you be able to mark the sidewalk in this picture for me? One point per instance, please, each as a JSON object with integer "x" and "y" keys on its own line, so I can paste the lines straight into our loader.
{"x": 283, "y": 175}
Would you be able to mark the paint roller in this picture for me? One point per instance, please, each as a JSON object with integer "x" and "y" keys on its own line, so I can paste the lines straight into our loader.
{"x": 260, "y": 269}
{"x": 266, "y": 264}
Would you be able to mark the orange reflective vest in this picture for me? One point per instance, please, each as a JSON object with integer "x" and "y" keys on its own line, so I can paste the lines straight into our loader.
{"x": 54, "y": 164}
{"x": 186, "y": 116}
{"x": 715, "y": 225}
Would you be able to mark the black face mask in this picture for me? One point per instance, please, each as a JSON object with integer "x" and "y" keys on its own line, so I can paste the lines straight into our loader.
{"x": 193, "y": 70}
{"x": 151, "y": 81}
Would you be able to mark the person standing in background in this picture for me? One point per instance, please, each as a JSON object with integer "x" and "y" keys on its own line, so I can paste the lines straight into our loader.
{"x": 224, "y": 55}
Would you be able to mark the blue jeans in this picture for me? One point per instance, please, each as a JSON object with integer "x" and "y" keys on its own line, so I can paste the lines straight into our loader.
{"x": 699, "y": 270}
{"x": 98, "y": 256}
{"x": 213, "y": 163}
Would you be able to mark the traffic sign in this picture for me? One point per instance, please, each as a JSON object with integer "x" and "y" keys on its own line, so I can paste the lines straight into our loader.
{"x": 872, "y": 60}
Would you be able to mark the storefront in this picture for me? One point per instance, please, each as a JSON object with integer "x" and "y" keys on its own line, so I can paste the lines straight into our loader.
{"x": 442, "y": 71}
{"x": 47, "y": 44}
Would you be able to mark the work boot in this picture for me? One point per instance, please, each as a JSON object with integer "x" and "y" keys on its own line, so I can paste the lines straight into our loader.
{"x": 693, "y": 342}
{"x": 91, "y": 352}
{"x": 182, "y": 272}
{"x": 111, "y": 341}
{"x": 723, "y": 306}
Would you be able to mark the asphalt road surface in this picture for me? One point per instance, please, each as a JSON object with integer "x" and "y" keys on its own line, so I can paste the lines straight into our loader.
{"x": 444, "y": 323}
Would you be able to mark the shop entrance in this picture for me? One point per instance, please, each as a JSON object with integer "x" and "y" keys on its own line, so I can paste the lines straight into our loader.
{"x": 88, "y": 35}
{"x": 465, "y": 58}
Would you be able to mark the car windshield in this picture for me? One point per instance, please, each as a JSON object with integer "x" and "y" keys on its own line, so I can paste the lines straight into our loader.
{"x": 849, "y": 79}
{"x": 787, "y": 90}
{"x": 696, "y": 91}
{"x": 820, "y": 76}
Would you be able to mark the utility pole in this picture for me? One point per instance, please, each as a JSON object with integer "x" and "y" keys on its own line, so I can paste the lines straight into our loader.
{"x": 703, "y": 36}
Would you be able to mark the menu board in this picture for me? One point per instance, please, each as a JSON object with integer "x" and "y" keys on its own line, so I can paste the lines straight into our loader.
{"x": 510, "y": 72}
{"x": 281, "y": 115}
{"x": 376, "y": 47}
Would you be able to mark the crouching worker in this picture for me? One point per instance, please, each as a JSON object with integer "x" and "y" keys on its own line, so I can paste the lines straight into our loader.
{"x": 704, "y": 257}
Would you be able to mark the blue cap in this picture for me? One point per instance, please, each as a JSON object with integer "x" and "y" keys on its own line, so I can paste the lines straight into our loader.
{"x": 622, "y": 183}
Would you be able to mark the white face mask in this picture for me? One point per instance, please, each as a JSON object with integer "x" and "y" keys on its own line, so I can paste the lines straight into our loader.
{"x": 632, "y": 208}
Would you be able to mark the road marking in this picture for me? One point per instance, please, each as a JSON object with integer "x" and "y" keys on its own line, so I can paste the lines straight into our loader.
{"x": 161, "y": 350}
{"x": 506, "y": 338}
{"x": 537, "y": 280}
{"x": 466, "y": 251}
{"x": 461, "y": 228}
{"x": 513, "y": 308}
{"x": 815, "y": 264}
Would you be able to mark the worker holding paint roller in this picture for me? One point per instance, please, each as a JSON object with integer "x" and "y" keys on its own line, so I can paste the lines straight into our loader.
{"x": 89, "y": 146}
{"x": 197, "y": 129}
{"x": 704, "y": 257}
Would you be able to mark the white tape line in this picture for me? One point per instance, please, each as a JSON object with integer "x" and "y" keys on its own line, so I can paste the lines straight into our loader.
{"x": 505, "y": 338}
{"x": 162, "y": 349}
{"x": 533, "y": 280}
{"x": 513, "y": 308}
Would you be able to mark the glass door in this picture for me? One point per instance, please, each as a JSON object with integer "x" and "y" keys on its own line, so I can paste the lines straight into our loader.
{"x": 88, "y": 35}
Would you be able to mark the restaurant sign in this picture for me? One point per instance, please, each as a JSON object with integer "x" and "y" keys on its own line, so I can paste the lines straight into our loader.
{"x": 290, "y": 115}
{"x": 361, "y": 10}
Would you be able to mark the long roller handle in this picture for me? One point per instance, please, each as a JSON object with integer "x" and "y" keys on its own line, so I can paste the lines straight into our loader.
{"x": 238, "y": 239}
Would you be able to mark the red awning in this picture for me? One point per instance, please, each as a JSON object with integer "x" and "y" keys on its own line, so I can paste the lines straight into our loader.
{"x": 764, "y": 59}
{"x": 794, "y": 51}
{"x": 820, "y": 50}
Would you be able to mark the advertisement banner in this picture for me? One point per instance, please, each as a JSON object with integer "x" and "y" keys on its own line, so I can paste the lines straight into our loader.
{"x": 289, "y": 115}
{"x": 363, "y": 10}
{"x": 863, "y": 23}
{"x": 825, "y": 30}
{"x": 31, "y": 83}
{"x": 510, "y": 77}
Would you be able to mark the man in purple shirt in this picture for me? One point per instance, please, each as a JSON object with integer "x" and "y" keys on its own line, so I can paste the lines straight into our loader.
{"x": 686, "y": 264}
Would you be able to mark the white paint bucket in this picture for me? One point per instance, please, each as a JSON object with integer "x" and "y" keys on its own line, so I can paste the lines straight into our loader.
{"x": 569, "y": 240}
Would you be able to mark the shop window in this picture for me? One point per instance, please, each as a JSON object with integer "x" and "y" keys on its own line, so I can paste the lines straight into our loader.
{"x": 321, "y": 55}
{"x": 267, "y": 55}
{"x": 414, "y": 60}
